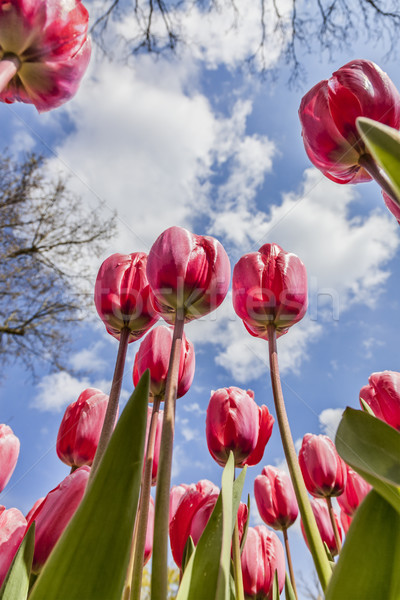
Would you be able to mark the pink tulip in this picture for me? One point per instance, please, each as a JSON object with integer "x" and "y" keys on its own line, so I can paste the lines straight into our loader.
{"x": 187, "y": 272}
{"x": 80, "y": 428}
{"x": 45, "y": 51}
{"x": 38, "y": 503}
{"x": 269, "y": 287}
{"x": 176, "y": 493}
{"x": 148, "y": 548}
{"x": 321, "y": 514}
{"x": 393, "y": 206}
{"x": 235, "y": 422}
{"x": 355, "y": 491}
{"x": 12, "y": 530}
{"x": 345, "y": 521}
{"x": 55, "y": 512}
{"x": 275, "y": 498}
{"x": 324, "y": 472}
{"x": 262, "y": 555}
{"x": 122, "y": 295}
{"x": 9, "y": 451}
{"x": 383, "y": 396}
{"x": 328, "y": 114}
{"x": 154, "y": 354}
{"x": 157, "y": 441}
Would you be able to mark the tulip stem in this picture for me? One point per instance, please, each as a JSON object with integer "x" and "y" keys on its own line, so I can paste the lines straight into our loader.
{"x": 9, "y": 66}
{"x": 314, "y": 539}
{"x": 159, "y": 571}
{"x": 334, "y": 524}
{"x": 112, "y": 406}
{"x": 289, "y": 561}
{"x": 367, "y": 162}
{"x": 135, "y": 569}
{"x": 237, "y": 567}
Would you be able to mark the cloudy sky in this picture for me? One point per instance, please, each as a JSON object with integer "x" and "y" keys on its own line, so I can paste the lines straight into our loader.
{"x": 197, "y": 140}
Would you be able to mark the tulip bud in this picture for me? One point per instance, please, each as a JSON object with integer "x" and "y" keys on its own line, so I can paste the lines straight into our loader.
{"x": 175, "y": 495}
{"x": 328, "y": 114}
{"x": 393, "y": 206}
{"x": 321, "y": 514}
{"x": 235, "y": 423}
{"x": 354, "y": 493}
{"x": 188, "y": 273}
{"x": 9, "y": 451}
{"x": 324, "y": 472}
{"x": 154, "y": 354}
{"x": 123, "y": 296}
{"x": 38, "y": 503}
{"x": 262, "y": 555}
{"x": 80, "y": 428}
{"x": 12, "y": 531}
{"x": 269, "y": 287}
{"x": 55, "y": 512}
{"x": 275, "y": 498}
{"x": 383, "y": 396}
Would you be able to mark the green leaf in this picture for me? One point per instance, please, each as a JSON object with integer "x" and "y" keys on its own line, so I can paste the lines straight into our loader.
{"x": 187, "y": 552}
{"x": 275, "y": 587}
{"x": 372, "y": 448}
{"x": 368, "y": 565}
{"x": 90, "y": 559}
{"x": 289, "y": 591}
{"x": 16, "y": 583}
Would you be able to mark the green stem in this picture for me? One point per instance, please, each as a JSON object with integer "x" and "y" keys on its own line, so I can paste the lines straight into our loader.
{"x": 9, "y": 66}
{"x": 289, "y": 561}
{"x": 237, "y": 566}
{"x": 314, "y": 539}
{"x": 159, "y": 571}
{"x": 367, "y": 162}
{"x": 334, "y": 525}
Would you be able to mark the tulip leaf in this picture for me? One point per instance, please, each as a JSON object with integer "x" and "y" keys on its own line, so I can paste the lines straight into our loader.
{"x": 187, "y": 552}
{"x": 372, "y": 448}
{"x": 368, "y": 565}
{"x": 275, "y": 587}
{"x": 289, "y": 591}
{"x": 16, "y": 583}
{"x": 91, "y": 557}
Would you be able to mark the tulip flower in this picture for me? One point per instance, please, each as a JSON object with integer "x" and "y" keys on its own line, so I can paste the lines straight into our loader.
{"x": 354, "y": 493}
{"x": 12, "y": 530}
{"x": 321, "y": 514}
{"x": 345, "y": 520}
{"x": 269, "y": 287}
{"x": 9, "y": 451}
{"x": 188, "y": 273}
{"x": 383, "y": 396}
{"x": 54, "y": 513}
{"x": 80, "y": 428}
{"x": 275, "y": 498}
{"x": 36, "y": 505}
{"x": 262, "y": 555}
{"x": 393, "y": 206}
{"x": 235, "y": 422}
{"x": 176, "y": 493}
{"x": 328, "y": 114}
{"x": 154, "y": 354}
{"x": 44, "y": 51}
{"x": 323, "y": 470}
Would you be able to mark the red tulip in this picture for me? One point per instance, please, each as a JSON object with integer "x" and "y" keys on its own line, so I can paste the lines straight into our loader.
{"x": 80, "y": 428}
{"x": 345, "y": 521}
{"x": 262, "y": 555}
{"x": 235, "y": 422}
{"x": 123, "y": 297}
{"x": 9, "y": 451}
{"x": 176, "y": 493}
{"x": 383, "y": 396}
{"x": 328, "y": 114}
{"x": 324, "y": 472}
{"x": 55, "y": 512}
{"x": 154, "y": 354}
{"x": 355, "y": 491}
{"x": 45, "y": 51}
{"x": 275, "y": 497}
{"x": 187, "y": 272}
{"x": 38, "y": 503}
{"x": 12, "y": 530}
{"x": 269, "y": 287}
{"x": 157, "y": 441}
{"x": 148, "y": 547}
{"x": 321, "y": 514}
{"x": 393, "y": 206}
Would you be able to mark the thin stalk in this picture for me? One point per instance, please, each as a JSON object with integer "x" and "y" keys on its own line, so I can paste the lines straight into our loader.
{"x": 237, "y": 567}
{"x": 135, "y": 569}
{"x": 112, "y": 406}
{"x": 314, "y": 539}
{"x": 367, "y": 162}
{"x": 9, "y": 66}
{"x": 334, "y": 525}
{"x": 159, "y": 571}
{"x": 289, "y": 561}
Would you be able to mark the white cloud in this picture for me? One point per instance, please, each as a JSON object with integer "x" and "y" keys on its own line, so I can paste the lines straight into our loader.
{"x": 329, "y": 421}
{"x": 194, "y": 408}
{"x": 88, "y": 358}
{"x": 58, "y": 390}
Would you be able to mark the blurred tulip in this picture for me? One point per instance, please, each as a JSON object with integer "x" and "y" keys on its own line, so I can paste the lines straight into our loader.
{"x": 393, "y": 206}
{"x": 328, "y": 114}
{"x": 354, "y": 493}
{"x": 235, "y": 422}
{"x": 157, "y": 442}
{"x": 9, "y": 451}
{"x": 269, "y": 287}
{"x": 44, "y": 51}
{"x": 12, "y": 530}
{"x": 122, "y": 295}
{"x": 55, "y": 512}
{"x": 80, "y": 428}
{"x": 154, "y": 354}
{"x": 275, "y": 498}
{"x": 187, "y": 272}
{"x": 148, "y": 548}
{"x": 321, "y": 514}
{"x": 383, "y": 396}
{"x": 324, "y": 472}
{"x": 345, "y": 521}
{"x": 262, "y": 555}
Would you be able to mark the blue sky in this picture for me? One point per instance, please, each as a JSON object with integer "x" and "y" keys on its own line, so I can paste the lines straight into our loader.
{"x": 196, "y": 141}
